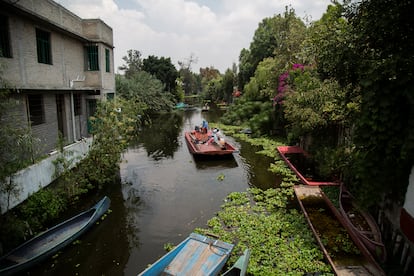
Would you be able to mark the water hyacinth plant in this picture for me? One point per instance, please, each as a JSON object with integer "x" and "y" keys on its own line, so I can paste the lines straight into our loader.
{"x": 263, "y": 221}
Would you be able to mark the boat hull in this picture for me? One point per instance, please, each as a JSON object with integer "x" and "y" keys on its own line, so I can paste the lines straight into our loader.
{"x": 366, "y": 230}
{"x": 365, "y": 266}
{"x": 284, "y": 151}
{"x": 196, "y": 255}
{"x": 199, "y": 146}
{"x": 51, "y": 241}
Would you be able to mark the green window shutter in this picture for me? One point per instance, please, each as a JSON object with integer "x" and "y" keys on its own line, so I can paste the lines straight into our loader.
{"x": 91, "y": 58}
{"x": 43, "y": 47}
{"x": 107, "y": 61}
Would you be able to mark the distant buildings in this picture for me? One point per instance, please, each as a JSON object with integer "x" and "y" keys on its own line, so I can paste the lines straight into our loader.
{"x": 57, "y": 64}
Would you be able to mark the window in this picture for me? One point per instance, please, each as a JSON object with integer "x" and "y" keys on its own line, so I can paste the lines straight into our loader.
{"x": 110, "y": 96}
{"x": 36, "y": 112}
{"x": 91, "y": 58}
{"x": 43, "y": 47}
{"x": 77, "y": 104}
{"x": 5, "y": 50}
{"x": 107, "y": 61}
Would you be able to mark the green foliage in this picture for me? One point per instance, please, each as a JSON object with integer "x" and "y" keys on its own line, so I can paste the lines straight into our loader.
{"x": 146, "y": 92}
{"x": 17, "y": 144}
{"x": 256, "y": 114}
{"x": 278, "y": 238}
{"x": 328, "y": 43}
{"x": 42, "y": 207}
{"x": 133, "y": 64}
{"x": 114, "y": 124}
{"x": 164, "y": 70}
{"x": 280, "y": 36}
{"x": 384, "y": 132}
{"x": 315, "y": 108}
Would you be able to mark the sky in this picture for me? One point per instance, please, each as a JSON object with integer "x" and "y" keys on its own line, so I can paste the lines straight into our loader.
{"x": 211, "y": 32}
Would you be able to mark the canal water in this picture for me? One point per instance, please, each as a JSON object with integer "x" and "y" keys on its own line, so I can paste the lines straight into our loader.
{"x": 163, "y": 195}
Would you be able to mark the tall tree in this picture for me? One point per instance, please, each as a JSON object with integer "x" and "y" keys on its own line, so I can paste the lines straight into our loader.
{"x": 188, "y": 78}
{"x": 146, "y": 91}
{"x": 279, "y": 36}
{"x": 383, "y": 38}
{"x": 133, "y": 62}
{"x": 162, "y": 69}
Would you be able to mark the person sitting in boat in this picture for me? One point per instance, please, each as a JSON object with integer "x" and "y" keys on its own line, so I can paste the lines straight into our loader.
{"x": 216, "y": 138}
{"x": 204, "y": 126}
{"x": 221, "y": 142}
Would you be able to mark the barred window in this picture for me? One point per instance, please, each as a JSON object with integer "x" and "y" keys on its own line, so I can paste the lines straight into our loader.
{"x": 43, "y": 47}
{"x": 36, "y": 110}
{"x": 107, "y": 61}
{"x": 91, "y": 58}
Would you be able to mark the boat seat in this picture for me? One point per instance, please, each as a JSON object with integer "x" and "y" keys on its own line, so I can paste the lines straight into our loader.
{"x": 195, "y": 260}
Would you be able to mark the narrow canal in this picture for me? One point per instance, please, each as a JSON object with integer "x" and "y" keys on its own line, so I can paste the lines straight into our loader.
{"x": 163, "y": 195}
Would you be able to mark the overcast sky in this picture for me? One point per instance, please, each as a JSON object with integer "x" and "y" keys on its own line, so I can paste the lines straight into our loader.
{"x": 212, "y": 31}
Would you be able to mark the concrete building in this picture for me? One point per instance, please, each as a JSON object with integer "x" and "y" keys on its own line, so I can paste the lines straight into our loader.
{"x": 57, "y": 64}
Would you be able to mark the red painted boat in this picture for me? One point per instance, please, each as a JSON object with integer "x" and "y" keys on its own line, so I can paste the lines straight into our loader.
{"x": 362, "y": 224}
{"x": 199, "y": 145}
{"x": 299, "y": 160}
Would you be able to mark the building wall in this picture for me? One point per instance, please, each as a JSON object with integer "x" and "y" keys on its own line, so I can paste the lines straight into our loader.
{"x": 41, "y": 174}
{"x": 69, "y": 34}
{"x": 24, "y": 71}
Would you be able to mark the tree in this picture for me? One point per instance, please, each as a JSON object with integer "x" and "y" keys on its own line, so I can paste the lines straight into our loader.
{"x": 382, "y": 36}
{"x": 280, "y": 36}
{"x": 162, "y": 69}
{"x": 133, "y": 63}
{"x": 229, "y": 83}
{"x": 330, "y": 47}
{"x": 146, "y": 91}
{"x": 16, "y": 143}
{"x": 189, "y": 81}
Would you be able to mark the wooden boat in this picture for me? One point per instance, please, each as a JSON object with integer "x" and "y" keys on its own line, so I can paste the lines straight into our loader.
{"x": 196, "y": 255}
{"x": 198, "y": 145}
{"x": 300, "y": 162}
{"x": 51, "y": 241}
{"x": 362, "y": 224}
{"x": 312, "y": 198}
{"x": 240, "y": 266}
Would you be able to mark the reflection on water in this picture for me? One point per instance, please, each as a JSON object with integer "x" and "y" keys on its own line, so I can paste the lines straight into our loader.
{"x": 216, "y": 164}
{"x": 163, "y": 195}
{"x": 160, "y": 139}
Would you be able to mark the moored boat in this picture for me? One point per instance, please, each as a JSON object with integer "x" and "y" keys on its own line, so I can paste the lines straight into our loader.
{"x": 299, "y": 161}
{"x": 200, "y": 144}
{"x": 196, "y": 255}
{"x": 51, "y": 241}
{"x": 323, "y": 218}
{"x": 362, "y": 224}
{"x": 240, "y": 266}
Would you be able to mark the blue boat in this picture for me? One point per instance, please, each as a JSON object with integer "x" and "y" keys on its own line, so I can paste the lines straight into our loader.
{"x": 51, "y": 241}
{"x": 240, "y": 266}
{"x": 196, "y": 255}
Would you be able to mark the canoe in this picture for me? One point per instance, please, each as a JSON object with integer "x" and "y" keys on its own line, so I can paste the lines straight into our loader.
{"x": 48, "y": 243}
{"x": 196, "y": 255}
{"x": 362, "y": 224}
{"x": 240, "y": 266}
{"x": 198, "y": 145}
{"x": 300, "y": 163}
{"x": 312, "y": 200}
